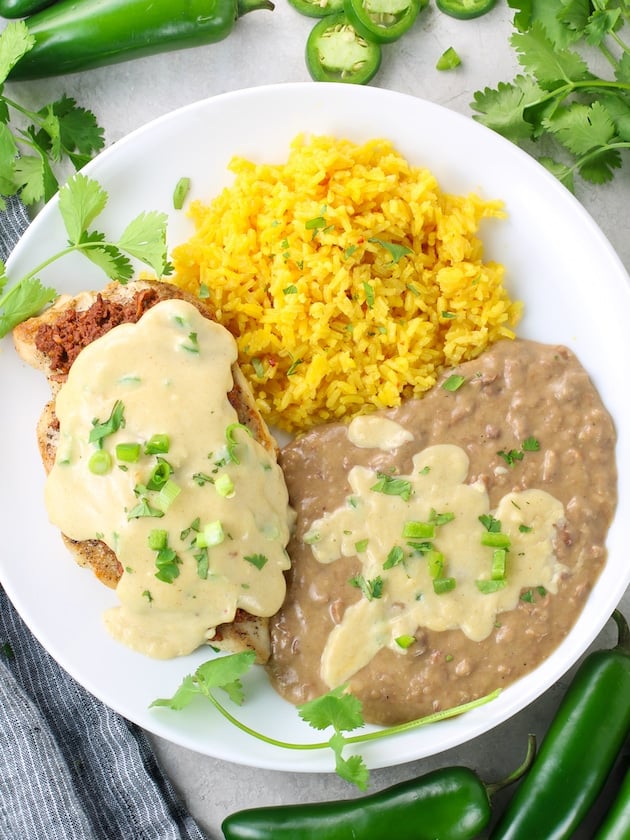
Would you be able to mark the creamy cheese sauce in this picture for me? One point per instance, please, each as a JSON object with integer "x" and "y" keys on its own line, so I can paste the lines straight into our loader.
{"x": 372, "y": 525}
{"x": 214, "y": 539}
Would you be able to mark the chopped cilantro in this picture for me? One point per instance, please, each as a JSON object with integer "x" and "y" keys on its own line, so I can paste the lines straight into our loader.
{"x": 371, "y": 589}
{"x": 395, "y": 250}
{"x": 102, "y": 429}
{"x": 257, "y": 560}
{"x": 395, "y": 556}
{"x": 490, "y": 523}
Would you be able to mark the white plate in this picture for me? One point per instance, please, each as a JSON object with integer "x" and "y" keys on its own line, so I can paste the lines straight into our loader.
{"x": 575, "y": 291}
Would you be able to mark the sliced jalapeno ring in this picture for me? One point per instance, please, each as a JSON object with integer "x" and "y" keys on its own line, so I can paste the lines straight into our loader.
{"x": 383, "y": 21}
{"x": 317, "y": 8}
{"x": 465, "y": 9}
{"x": 335, "y": 52}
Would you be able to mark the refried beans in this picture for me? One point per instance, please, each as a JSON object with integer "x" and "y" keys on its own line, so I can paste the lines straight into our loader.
{"x": 516, "y": 392}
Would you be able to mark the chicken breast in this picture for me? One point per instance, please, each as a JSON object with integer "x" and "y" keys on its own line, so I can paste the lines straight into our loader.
{"x": 53, "y": 340}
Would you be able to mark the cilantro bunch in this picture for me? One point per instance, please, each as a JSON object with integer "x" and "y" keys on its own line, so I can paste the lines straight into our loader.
{"x": 58, "y": 133}
{"x": 560, "y": 104}
{"x": 338, "y": 710}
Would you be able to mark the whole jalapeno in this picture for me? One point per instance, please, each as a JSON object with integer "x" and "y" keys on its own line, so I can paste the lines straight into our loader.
{"x": 578, "y": 750}
{"x": 616, "y": 823}
{"x": 335, "y": 52}
{"x": 465, "y": 9}
{"x": 383, "y": 21}
{"x": 450, "y": 804}
{"x": 22, "y": 8}
{"x": 71, "y": 36}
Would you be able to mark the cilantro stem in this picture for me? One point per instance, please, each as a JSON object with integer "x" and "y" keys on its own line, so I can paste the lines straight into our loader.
{"x": 79, "y": 246}
{"x": 260, "y": 736}
{"x": 379, "y": 734}
{"x": 594, "y": 153}
{"x": 560, "y": 93}
{"x": 436, "y": 717}
{"x": 32, "y": 115}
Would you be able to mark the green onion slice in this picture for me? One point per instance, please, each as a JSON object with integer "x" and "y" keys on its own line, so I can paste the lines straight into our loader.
{"x": 128, "y": 452}
{"x": 100, "y": 462}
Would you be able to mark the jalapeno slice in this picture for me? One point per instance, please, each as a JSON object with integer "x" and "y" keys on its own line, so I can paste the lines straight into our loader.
{"x": 317, "y": 8}
{"x": 335, "y": 52}
{"x": 465, "y": 9}
{"x": 383, "y": 21}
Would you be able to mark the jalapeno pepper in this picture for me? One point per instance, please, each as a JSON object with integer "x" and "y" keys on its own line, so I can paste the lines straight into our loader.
{"x": 451, "y": 803}
{"x": 465, "y": 9}
{"x": 317, "y": 8}
{"x": 383, "y": 21}
{"x": 22, "y": 8}
{"x": 616, "y": 823}
{"x": 578, "y": 751}
{"x": 335, "y": 52}
{"x": 71, "y": 36}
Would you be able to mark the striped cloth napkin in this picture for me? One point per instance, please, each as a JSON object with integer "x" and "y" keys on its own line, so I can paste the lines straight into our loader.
{"x": 71, "y": 768}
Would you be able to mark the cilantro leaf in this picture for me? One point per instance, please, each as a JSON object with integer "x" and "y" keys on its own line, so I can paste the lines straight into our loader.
{"x": 81, "y": 200}
{"x": 581, "y": 128}
{"x": 34, "y": 178}
{"x": 78, "y": 129}
{"x": 106, "y": 256}
{"x": 352, "y": 769}
{"x": 338, "y": 708}
{"x": 372, "y": 589}
{"x": 395, "y": 250}
{"x": 503, "y": 109}
{"x": 182, "y": 697}
{"x": 15, "y": 42}
{"x": 22, "y": 301}
{"x": 145, "y": 239}
{"x": 548, "y": 64}
{"x": 223, "y": 672}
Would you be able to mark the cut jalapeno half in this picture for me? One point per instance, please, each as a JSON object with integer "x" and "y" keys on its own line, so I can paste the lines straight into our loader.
{"x": 335, "y": 52}
{"x": 317, "y": 8}
{"x": 465, "y": 9}
{"x": 383, "y": 21}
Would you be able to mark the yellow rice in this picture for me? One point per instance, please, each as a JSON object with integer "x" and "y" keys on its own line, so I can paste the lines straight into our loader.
{"x": 330, "y": 321}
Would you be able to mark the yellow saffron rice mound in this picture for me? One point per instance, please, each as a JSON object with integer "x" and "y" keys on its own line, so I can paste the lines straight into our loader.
{"x": 348, "y": 278}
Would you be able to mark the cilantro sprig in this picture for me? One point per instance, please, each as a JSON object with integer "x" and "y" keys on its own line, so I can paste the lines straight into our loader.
{"x": 81, "y": 201}
{"x": 338, "y": 710}
{"x": 580, "y": 118}
{"x": 59, "y": 132}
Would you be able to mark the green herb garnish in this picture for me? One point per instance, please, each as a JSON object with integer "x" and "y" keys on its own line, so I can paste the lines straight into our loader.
{"x": 394, "y": 557}
{"x": 103, "y": 428}
{"x": 372, "y": 589}
{"x": 392, "y": 486}
{"x": 395, "y": 251}
{"x": 81, "y": 200}
{"x": 257, "y": 560}
{"x": 337, "y": 710}
{"x": 560, "y": 101}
